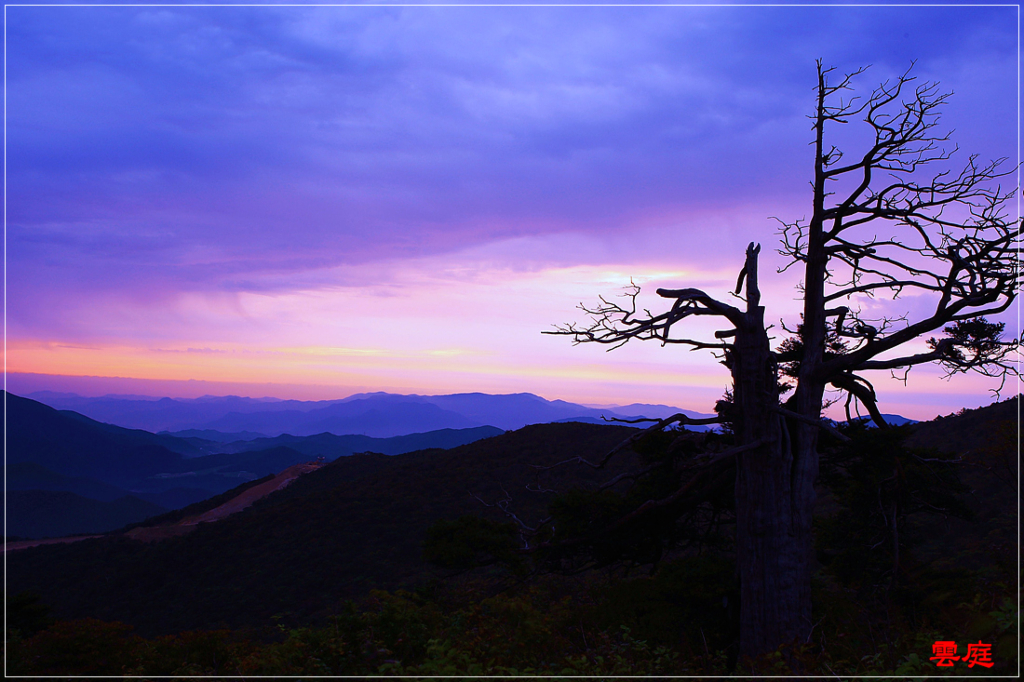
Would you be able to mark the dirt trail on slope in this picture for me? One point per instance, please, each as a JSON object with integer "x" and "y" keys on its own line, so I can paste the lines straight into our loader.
{"x": 25, "y": 544}
{"x": 188, "y": 524}
{"x": 232, "y": 506}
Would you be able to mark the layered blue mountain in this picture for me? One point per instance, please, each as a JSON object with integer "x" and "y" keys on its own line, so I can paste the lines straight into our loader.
{"x": 73, "y": 445}
{"x": 63, "y": 466}
{"x": 32, "y": 476}
{"x": 369, "y": 417}
{"x": 199, "y": 435}
{"x": 43, "y": 503}
{"x": 380, "y": 415}
{"x": 164, "y": 414}
{"x": 331, "y": 446}
{"x": 890, "y": 419}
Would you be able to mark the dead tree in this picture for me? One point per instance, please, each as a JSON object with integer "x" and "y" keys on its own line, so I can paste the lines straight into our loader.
{"x": 878, "y": 228}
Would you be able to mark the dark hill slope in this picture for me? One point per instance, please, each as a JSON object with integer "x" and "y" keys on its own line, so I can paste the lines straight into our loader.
{"x": 986, "y": 439}
{"x": 197, "y": 508}
{"x": 77, "y": 446}
{"x": 56, "y": 450}
{"x": 355, "y": 524}
{"x": 985, "y": 431}
{"x": 32, "y": 476}
{"x": 258, "y": 462}
{"x": 332, "y": 446}
{"x": 57, "y": 513}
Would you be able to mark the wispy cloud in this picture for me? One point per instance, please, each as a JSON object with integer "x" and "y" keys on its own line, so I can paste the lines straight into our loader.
{"x": 388, "y": 178}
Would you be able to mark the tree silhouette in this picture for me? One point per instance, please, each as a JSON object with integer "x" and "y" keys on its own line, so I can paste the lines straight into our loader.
{"x": 877, "y": 227}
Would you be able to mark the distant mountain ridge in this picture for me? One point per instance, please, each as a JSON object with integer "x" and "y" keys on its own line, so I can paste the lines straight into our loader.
{"x": 381, "y": 415}
{"x": 64, "y": 468}
{"x": 890, "y": 419}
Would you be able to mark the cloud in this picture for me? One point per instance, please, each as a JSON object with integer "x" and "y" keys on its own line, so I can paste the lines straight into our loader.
{"x": 352, "y": 134}
{"x": 174, "y": 172}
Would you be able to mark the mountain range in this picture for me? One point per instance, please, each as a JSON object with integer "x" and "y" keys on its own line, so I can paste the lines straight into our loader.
{"x": 358, "y": 523}
{"x": 67, "y": 473}
{"x": 380, "y": 415}
{"x": 85, "y": 465}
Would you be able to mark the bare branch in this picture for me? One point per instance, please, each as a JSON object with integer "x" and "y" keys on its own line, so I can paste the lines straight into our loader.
{"x": 864, "y": 392}
{"x": 662, "y": 423}
{"x": 614, "y": 324}
{"x": 820, "y": 423}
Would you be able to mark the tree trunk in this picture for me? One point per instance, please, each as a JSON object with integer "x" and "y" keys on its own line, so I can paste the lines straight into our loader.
{"x": 772, "y": 513}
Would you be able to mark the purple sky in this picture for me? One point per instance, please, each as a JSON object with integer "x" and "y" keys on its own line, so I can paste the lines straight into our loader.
{"x": 337, "y": 199}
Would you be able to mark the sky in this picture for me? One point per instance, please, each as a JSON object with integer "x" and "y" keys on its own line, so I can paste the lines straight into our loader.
{"x": 309, "y": 202}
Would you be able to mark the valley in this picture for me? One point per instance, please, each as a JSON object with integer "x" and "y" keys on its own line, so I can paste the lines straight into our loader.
{"x": 296, "y": 547}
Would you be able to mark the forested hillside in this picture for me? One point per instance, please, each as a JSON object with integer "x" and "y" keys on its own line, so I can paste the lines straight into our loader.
{"x": 295, "y": 577}
{"x": 69, "y": 474}
{"x": 355, "y": 524}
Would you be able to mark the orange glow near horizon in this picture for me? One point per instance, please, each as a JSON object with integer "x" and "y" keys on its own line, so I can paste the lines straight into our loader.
{"x": 427, "y": 326}
{"x": 287, "y": 374}
{"x": 337, "y": 372}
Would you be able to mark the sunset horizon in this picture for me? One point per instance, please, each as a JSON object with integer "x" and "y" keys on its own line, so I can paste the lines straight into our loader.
{"x": 922, "y": 406}
{"x": 311, "y": 201}
{"x": 467, "y": 340}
